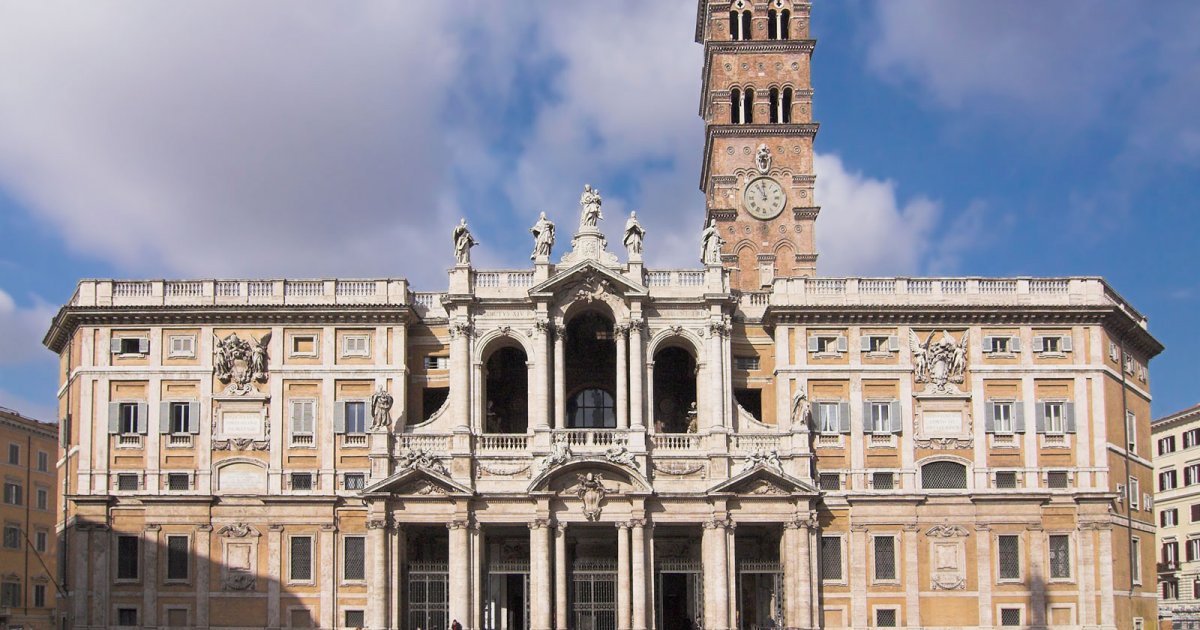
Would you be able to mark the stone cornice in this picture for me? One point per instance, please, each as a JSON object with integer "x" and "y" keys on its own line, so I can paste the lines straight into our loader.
{"x": 1177, "y": 419}
{"x": 21, "y": 423}
{"x": 70, "y": 318}
{"x": 712, "y": 132}
{"x": 713, "y": 48}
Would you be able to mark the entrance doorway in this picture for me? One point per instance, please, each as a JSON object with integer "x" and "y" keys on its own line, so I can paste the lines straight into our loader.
{"x": 760, "y": 596}
{"x": 594, "y": 594}
{"x": 679, "y": 595}
{"x": 427, "y": 579}
{"x": 506, "y": 606}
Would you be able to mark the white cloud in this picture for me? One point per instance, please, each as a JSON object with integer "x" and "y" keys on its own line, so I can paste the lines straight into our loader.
{"x": 23, "y": 328}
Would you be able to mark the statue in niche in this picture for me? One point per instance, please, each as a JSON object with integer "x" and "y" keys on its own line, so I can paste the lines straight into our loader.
{"x": 762, "y": 159}
{"x": 543, "y": 237}
{"x": 238, "y": 362}
{"x": 590, "y": 203}
{"x": 591, "y": 492}
{"x": 801, "y": 409}
{"x": 939, "y": 363}
{"x": 381, "y": 410}
{"x": 634, "y": 233}
{"x": 710, "y": 244}
{"x": 693, "y": 419}
{"x": 463, "y": 242}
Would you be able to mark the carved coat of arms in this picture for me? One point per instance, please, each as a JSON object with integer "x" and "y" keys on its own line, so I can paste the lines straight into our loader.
{"x": 940, "y": 362}
{"x": 239, "y": 363}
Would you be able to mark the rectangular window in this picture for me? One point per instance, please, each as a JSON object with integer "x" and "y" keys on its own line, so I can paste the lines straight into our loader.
{"x": 885, "y": 558}
{"x": 303, "y": 346}
{"x": 43, "y": 499}
{"x": 1170, "y": 553}
{"x": 43, "y": 461}
{"x": 1055, "y": 422}
{"x": 355, "y": 619}
{"x": 127, "y": 481}
{"x": 180, "y": 417}
{"x": 177, "y": 557}
{"x": 1131, "y": 430}
{"x": 1052, "y": 345}
{"x": 128, "y": 418}
{"x": 830, "y": 481}
{"x": 131, "y": 345}
{"x": 998, "y": 345}
{"x": 885, "y": 617}
{"x": 303, "y": 421}
{"x": 127, "y": 617}
{"x": 354, "y": 481}
{"x": 1006, "y": 480}
{"x": 302, "y": 481}
{"x": 12, "y": 537}
{"x": 748, "y": 364}
{"x": 14, "y": 454}
{"x": 1058, "y": 480}
{"x": 356, "y": 417}
{"x": 881, "y": 421}
{"x": 880, "y": 344}
{"x": 1060, "y": 557}
{"x": 1169, "y": 518}
{"x": 1192, "y": 549}
{"x": 1002, "y": 417}
{"x": 1191, "y": 438}
{"x": 1135, "y": 552}
{"x": 354, "y": 566}
{"x": 437, "y": 363}
{"x": 1191, "y": 475}
{"x": 828, "y": 417}
{"x": 1166, "y": 445}
{"x": 301, "y": 559}
{"x": 825, "y": 345}
{"x": 883, "y": 480}
{"x": 10, "y": 595}
{"x": 1009, "y": 552}
{"x": 181, "y": 346}
{"x": 1135, "y": 493}
{"x": 1010, "y": 616}
{"x": 356, "y": 346}
{"x": 13, "y": 493}
{"x": 1167, "y": 480}
{"x": 127, "y": 557}
{"x": 39, "y": 595}
{"x": 40, "y": 540}
{"x": 1196, "y": 513}
{"x": 831, "y": 558}
{"x": 178, "y": 482}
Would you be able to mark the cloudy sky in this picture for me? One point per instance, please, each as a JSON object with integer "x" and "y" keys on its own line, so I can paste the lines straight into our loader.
{"x": 232, "y": 139}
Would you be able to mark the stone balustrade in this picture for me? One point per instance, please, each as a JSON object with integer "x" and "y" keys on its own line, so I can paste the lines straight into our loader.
{"x": 105, "y": 293}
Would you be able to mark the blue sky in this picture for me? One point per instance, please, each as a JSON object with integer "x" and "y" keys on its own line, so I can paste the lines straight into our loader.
{"x": 222, "y": 139}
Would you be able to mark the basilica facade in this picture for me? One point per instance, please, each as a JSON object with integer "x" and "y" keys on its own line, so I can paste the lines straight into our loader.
{"x": 590, "y": 444}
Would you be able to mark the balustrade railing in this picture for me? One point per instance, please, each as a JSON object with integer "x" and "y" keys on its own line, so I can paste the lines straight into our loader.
{"x": 179, "y": 440}
{"x": 129, "y": 441}
{"x": 675, "y": 441}
{"x": 749, "y": 442}
{"x": 503, "y": 442}
{"x": 422, "y": 442}
{"x": 593, "y": 437}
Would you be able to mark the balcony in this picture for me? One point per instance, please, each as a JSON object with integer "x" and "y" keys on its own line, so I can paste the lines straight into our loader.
{"x": 1168, "y": 567}
{"x": 675, "y": 441}
{"x": 179, "y": 440}
{"x": 502, "y": 443}
{"x": 129, "y": 440}
{"x": 587, "y": 439}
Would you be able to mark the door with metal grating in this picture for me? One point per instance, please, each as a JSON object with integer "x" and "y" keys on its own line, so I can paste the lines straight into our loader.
{"x": 679, "y": 595}
{"x": 760, "y": 595}
{"x": 506, "y": 606}
{"x": 594, "y": 594}
{"x": 427, "y": 594}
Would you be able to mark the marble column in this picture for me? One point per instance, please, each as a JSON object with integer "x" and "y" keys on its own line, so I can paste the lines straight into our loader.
{"x": 460, "y": 571}
{"x": 637, "y": 367}
{"x": 377, "y": 591}
{"x": 716, "y": 576}
{"x": 325, "y": 570}
{"x": 638, "y": 573}
{"x": 620, "y": 333}
{"x": 460, "y": 371}
{"x": 789, "y": 548}
{"x": 478, "y": 561}
{"x": 539, "y": 402}
{"x": 203, "y": 570}
{"x": 716, "y": 375}
{"x": 560, "y": 377}
{"x": 539, "y": 574}
{"x": 623, "y": 576}
{"x": 561, "y": 616}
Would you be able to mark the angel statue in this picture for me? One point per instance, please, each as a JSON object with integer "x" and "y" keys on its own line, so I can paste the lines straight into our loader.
{"x": 939, "y": 362}
{"x": 634, "y": 233}
{"x": 710, "y": 244}
{"x": 801, "y": 410}
{"x": 381, "y": 409}
{"x": 543, "y": 237}
{"x": 463, "y": 242}
{"x": 259, "y": 359}
{"x": 590, "y": 202}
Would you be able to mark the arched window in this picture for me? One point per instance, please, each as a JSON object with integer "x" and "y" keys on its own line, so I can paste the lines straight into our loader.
{"x": 735, "y": 106}
{"x": 748, "y": 106}
{"x": 746, "y": 26}
{"x": 772, "y": 24}
{"x": 591, "y": 409}
{"x": 785, "y": 16}
{"x": 506, "y": 391}
{"x": 776, "y": 112}
{"x": 944, "y": 476}
{"x": 739, "y": 25}
{"x": 785, "y": 106}
{"x": 674, "y": 391}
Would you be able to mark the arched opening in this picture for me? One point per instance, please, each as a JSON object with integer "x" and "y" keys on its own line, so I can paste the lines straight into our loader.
{"x": 746, "y": 26}
{"x": 772, "y": 24}
{"x": 735, "y": 106}
{"x": 507, "y": 392}
{"x": 739, "y": 25}
{"x": 591, "y": 362}
{"x": 785, "y": 17}
{"x": 674, "y": 391}
{"x": 776, "y": 112}
{"x": 748, "y": 106}
{"x": 944, "y": 475}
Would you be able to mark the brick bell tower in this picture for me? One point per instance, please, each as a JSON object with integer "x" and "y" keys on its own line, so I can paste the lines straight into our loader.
{"x": 756, "y": 103}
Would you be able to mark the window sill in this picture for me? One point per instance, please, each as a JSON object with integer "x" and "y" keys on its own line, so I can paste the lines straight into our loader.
{"x": 1052, "y": 355}
{"x": 999, "y": 355}
{"x": 826, "y": 355}
{"x": 181, "y": 356}
{"x": 879, "y": 355}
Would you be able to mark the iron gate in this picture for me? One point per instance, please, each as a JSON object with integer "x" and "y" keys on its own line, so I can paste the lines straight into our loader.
{"x": 593, "y": 594}
{"x": 493, "y": 607}
{"x": 666, "y": 612}
{"x": 428, "y": 590}
{"x": 760, "y": 595}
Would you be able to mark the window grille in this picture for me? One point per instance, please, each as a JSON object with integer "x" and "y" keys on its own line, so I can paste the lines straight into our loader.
{"x": 355, "y": 481}
{"x": 944, "y": 476}
{"x": 355, "y": 619}
{"x": 1006, "y": 480}
{"x": 1060, "y": 557}
{"x": 302, "y": 481}
{"x": 127, "y": 557}
{"x": 177, "y": 481}
{"x": 12, "y": 537}
{"x": 127, "y": 482}
{"x": 177, "y": 557}
{"x": 749, "y": 364}
{"x": 830, "y": 481}
{"x": 354, "y": 558}
{"x": 1009, "y": 552}
{"x": 301, "y": 558}
{"x": 831, "y": 558}
{"x": 127, "y": 617}
{"x": 885, "y": 558}
{"x": 883, "y": 480}
{"x": 1010, "y": 616}
{"x": 1057, "y": 479}
{"x": 885, "y": 618}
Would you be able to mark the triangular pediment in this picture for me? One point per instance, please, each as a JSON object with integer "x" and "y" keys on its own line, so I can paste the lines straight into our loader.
{"x": 418, "y": 482}
{"x": 763, "y": 481}
{"x": 588, "y": 276}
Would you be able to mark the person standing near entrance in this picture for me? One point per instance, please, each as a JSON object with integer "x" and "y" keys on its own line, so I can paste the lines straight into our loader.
{"x": 454, "y": 625}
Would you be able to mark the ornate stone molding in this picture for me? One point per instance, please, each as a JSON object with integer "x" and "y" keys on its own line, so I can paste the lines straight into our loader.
{"x": 458, "y": 523}
{"x": 941, "y": 363}
{"x": 377, "y": 523}
{"x": 947, "y": 531}
{"x": 239, "y": 364}
{"x": 678, "y": 468}
{"x": 539, "y": 523}
{"x": 237, "y": 530}
{"x": 461, "y": 329}
{"x": 421, "y": 459}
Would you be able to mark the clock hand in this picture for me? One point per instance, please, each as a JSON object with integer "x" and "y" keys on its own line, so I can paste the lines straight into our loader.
{"x": 762, "y": 190}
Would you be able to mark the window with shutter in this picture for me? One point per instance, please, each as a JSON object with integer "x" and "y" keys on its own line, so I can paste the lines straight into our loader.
{"x": 879, "y": 414}
{"x": 181, "y": 346}
{"x": 303, "y": 422}
{"x": 827, "y": 418}
{"x": 356, "y": 346}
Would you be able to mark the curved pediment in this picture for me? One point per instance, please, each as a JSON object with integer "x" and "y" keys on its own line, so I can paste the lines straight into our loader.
{"x": 763, "y": 481}
{"x": 616, "y": 478}
{"x": 418, "y": 482}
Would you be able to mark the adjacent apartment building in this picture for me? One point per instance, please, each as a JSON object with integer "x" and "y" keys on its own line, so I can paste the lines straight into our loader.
{"x": 590, "y": 444}
{"x": 1177, "y": 501}
{"x": 28, "y": 552}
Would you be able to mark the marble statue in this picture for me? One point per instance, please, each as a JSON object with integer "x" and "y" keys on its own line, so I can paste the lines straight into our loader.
{"x": 590, "y": 203}
{"x": 463, "y": 242}
{"x": 543, "y": 237}
{"x": 801, "y": 409}
{"x": 938, "y": 362}
{"x": 560, "y": 453}
{"x": 711, "y": 241}
{"x": 381, "y": 409}
{"x": 591, "y": 492}
{"x": 634, "y": 233}
{"x": 237, "y": 362}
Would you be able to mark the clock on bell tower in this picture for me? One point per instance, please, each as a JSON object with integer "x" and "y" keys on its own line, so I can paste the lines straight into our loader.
{"x": 756, "y": 103}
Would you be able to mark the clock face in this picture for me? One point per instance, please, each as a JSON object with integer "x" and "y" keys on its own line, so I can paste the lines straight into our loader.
{"x": 764, "y": 198}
